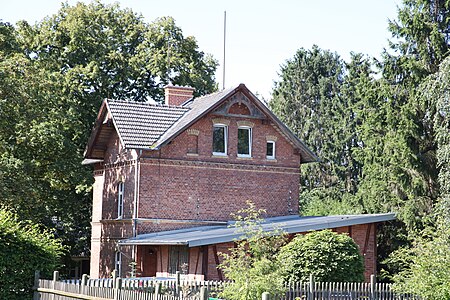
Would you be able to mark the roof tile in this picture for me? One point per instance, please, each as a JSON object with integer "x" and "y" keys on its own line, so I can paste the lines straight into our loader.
{"x": 140, "y": 124}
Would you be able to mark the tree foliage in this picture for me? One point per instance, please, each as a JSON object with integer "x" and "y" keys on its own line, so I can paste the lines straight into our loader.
{"x": 426, "y": 265}
{"x": 326, "y": 255}
{"x": 315, "y": 99}
{"x": 251, "y": 264}
{"x": 53, "y": 77}
{"x": 426, "y": 271}
{"x": 24, "y": 248}
{"x": 375, "y": 135}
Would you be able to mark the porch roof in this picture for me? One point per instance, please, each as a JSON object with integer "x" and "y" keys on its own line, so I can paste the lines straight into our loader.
{"x": 208, "y": 235}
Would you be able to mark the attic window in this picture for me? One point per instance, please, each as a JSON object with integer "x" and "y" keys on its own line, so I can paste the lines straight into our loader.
{"x": 244, "y": 141}
{"x": 220, "y": 137}
{"x": 270, "y": 150}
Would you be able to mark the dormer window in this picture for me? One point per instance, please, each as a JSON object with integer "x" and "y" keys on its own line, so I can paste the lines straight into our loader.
{"x": 244, "y": 141}
{"x": 220, "y": 137}
{"x": 120, "y": 194}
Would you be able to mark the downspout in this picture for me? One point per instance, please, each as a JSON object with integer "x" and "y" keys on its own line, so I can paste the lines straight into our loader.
{"x": 136, "y": 200}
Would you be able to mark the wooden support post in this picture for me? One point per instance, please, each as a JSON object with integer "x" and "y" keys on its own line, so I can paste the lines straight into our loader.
{"x": 117, "y": 287}
{"x": 203, "y": 293}
{"x": 372, "y": 287}
{"x": 36, "y": 295}
{"x": 265, "y": 296}
{"x": 311, "y": 287}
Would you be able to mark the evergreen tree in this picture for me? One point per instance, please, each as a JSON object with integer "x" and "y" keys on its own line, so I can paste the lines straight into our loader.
{"x": 308, "y": 98}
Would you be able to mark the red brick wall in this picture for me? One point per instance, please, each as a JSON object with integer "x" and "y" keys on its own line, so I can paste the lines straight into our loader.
{"x": 208, "y": 191}
{"x": 365, "y": 236}
{"x": 213, "y": 272}
{"x": 174, "y": 184}
{"x": 118, "y": 166}
{"x": 104, "y": 246}
{"x": 178, "y": 148}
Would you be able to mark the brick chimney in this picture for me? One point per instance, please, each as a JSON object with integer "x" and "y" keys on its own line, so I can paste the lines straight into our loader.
{"x": 175, "y": 95}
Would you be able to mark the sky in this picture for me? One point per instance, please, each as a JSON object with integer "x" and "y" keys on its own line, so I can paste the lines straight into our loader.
{"x": 260, "y": 35}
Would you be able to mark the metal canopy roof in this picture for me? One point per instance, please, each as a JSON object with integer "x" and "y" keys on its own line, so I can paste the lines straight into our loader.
{"x": 207, "y": 235}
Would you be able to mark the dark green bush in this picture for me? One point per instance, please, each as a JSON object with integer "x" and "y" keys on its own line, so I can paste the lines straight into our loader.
{"x": 326, "y": 255}
{"x": 24, "y": 248}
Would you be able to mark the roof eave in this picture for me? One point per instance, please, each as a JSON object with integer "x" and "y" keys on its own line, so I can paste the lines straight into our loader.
{"x": 299, "y": 143}
{"x": 224, "y": 237}
{"x": 95, "y": 130}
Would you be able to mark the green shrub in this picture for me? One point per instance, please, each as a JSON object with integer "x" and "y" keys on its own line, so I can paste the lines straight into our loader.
{"x": 252, "y": 265}
{"x": 426, "y": 271}
{"x": 24, "y": 248}
{"x": 326, "y": 255}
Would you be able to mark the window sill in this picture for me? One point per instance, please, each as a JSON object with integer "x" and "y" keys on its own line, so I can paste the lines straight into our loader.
{"x": 192, "y": 154}
{"x": 219, "y": 155}
{"x": 271, "y": 159}
{"x": 244, "y": 157}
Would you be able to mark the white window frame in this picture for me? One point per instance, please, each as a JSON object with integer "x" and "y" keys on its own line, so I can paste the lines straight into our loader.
{"x": 250, "y": 139}
{"x": 120, "y": 197}
{"x": 118, "y": 263}
{"x": 273, "y": 151}
{"x": 225, "y": 133}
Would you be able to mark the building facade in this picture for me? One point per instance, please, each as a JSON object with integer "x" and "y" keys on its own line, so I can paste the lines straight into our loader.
{"x": 185, "y": 165}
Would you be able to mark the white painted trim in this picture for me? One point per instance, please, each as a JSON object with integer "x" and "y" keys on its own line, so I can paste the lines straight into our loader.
{"x": 271, "y": 157}
{"x": 225, "y": 133}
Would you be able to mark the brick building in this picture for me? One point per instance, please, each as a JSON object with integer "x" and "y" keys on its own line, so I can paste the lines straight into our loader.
{"x": 167, "y": 178}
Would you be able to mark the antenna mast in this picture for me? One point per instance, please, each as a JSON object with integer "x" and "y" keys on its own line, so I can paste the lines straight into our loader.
{"x": 224, "y": 40}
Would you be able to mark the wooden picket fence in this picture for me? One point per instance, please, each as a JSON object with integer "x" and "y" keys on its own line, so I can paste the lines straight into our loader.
{"x": 342, "y": 291}
{"x": 124, "y": 289}
{"x": 176, "y": 289}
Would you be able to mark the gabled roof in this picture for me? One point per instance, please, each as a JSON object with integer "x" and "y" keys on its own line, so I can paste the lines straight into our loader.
{"x": 150, "y": 126}
{"x": 197, "y": 108}
{"x": 207, "y": 235}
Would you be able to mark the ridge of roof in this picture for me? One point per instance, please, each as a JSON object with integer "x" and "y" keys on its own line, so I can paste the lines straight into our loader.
{"x": 150, "y": 104}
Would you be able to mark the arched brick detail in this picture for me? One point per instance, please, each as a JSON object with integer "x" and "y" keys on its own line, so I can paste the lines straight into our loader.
{"x": 239, "y": 108}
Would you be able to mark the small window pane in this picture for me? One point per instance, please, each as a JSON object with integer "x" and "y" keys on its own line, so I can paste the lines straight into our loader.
{"x": 244, "y": 135}
{"x": 219, "y": 139}
{"x": 120, "y": 196}
{"x": 269, "y": 152}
